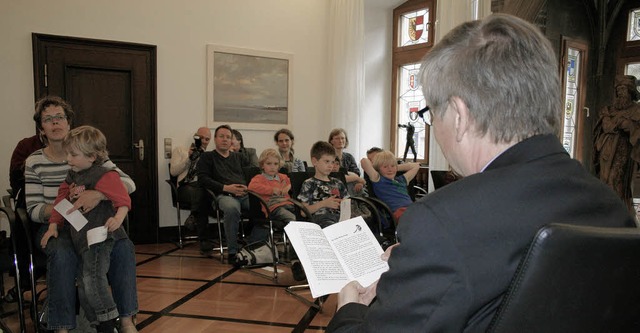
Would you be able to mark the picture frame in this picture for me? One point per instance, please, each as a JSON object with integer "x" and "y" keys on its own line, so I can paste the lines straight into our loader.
{"x": 248, "y": 89}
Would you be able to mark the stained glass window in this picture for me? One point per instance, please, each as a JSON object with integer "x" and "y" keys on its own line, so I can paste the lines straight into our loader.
{"x": 410, "y": 101}
{"x": 571, "y": 99}
{"x": 634, "y": 25}
{"x": 414, "y": 27}
{"x": 633, "y": 69}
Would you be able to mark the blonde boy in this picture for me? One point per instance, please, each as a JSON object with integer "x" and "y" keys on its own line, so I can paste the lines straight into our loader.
{"x": 273, "y": 187}
{"x": 388, "y": 187}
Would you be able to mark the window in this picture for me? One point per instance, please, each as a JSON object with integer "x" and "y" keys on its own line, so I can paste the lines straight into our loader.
{"x": 573, "y": 83}
{"x": 634, "y": 25}
{"x": 413, "y": 36}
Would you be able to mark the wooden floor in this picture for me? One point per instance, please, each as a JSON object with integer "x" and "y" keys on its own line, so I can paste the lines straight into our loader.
{"x": 181, "y": 291}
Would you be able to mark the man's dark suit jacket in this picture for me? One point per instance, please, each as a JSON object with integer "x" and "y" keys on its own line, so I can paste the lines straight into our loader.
{"x": 460, "y": 245}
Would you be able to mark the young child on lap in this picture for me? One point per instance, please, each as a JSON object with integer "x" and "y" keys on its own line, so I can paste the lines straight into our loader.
{"x": 274, "y": 187}
{"x": 86, "y": 151}
{"x": 388, "y": 187}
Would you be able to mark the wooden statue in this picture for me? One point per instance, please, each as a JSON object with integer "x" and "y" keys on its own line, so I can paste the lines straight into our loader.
{"x": 616, "y": 136}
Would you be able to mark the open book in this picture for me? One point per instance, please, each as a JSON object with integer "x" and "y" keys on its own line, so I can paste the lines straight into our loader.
{"x": 337, "y": 254}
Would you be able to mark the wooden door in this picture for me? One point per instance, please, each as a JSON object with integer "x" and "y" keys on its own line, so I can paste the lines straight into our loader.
{"x": 111, "y": 86}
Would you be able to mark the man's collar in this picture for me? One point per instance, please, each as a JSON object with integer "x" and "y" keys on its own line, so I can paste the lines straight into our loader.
{"x": 528, "y": 149}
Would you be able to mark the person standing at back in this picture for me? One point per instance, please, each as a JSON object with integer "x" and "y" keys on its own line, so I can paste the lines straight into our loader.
{"x": 494, "y": 93}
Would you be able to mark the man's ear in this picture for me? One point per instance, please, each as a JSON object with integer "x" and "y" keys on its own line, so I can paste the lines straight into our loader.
{"x": 462, "y": 117}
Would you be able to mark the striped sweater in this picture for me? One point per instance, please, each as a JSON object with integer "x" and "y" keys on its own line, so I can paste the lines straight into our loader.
{"x": 43, "y": 178}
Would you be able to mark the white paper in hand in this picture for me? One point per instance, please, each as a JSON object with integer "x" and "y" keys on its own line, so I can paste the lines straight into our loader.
{"x": 345, "y": 209}
{"x": 76, "y": 219}
{"x": 96, "y": 235}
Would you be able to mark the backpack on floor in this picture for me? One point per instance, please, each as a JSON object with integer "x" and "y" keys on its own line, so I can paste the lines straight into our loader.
{"x": 257, "y": 253}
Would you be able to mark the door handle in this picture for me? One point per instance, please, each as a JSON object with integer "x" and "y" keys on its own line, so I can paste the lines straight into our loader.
{"x": 140, "y": 146}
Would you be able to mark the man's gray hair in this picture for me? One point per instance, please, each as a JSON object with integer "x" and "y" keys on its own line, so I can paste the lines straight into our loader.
{"x": 506, "y": 72}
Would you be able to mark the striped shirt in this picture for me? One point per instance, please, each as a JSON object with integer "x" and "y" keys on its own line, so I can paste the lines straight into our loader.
{"x": 43, "y": 178}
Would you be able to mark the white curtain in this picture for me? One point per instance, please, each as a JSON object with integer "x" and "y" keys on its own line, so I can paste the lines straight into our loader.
{"x": 346, "y": 70}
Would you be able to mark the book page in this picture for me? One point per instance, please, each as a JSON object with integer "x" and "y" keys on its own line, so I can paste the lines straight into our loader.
{"x": 357, "y": 249}
{"x": 321, "y": 265}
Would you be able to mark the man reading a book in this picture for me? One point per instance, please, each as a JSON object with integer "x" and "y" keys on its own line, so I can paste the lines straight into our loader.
{"x": 495, "y": 109}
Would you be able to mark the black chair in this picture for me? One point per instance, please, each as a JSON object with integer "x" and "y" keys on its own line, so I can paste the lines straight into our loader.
{"x": 179, "y": 205}
{"x": 575, "y": 279}
{"x": 26, "y": 261}
{"x": 10, "y": 215}
{"x": 442, "y": 177}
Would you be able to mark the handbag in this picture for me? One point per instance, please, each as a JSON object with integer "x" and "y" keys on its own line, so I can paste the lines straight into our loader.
{"x": 257, "y": 253}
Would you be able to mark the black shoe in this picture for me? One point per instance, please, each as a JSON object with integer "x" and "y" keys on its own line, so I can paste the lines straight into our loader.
{"x": 232, "y": 259}
{"x": 206, "y": 248}
{"x": 107, "y": 326}
{"x": 297, "y": 271}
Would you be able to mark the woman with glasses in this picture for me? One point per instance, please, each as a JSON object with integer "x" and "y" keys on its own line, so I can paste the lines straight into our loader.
{"x": 45, "y": 170}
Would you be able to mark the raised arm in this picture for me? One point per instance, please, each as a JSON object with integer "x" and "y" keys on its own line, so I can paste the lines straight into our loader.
{"x": 367, "y": 166}
{"x": 410, "y": 169}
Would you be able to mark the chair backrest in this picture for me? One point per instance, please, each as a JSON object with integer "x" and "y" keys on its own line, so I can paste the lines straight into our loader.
{"x": 297, "y": 178}
{"x": 575, "y": 279}
{"x": 438, "y": 177}
{"x": 255, "y": 202}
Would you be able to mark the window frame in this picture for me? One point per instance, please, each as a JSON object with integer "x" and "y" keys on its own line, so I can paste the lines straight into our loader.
{"x": 406, "y": 55}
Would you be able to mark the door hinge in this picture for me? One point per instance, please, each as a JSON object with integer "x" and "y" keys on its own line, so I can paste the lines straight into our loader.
{"x": 46, "y": 76}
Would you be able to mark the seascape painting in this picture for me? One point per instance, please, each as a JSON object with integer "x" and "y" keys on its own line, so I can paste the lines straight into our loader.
{"x": 248, "y": 89}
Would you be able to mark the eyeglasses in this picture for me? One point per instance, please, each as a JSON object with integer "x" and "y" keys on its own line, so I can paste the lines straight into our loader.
{"x": 425, "y": 114}
{"x": 56, "y": 118}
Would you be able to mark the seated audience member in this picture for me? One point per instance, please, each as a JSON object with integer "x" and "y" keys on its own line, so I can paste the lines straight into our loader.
{"x": 274, "y": 188}
{"x": 221, "y": 172}
{"x": 237, "y": 145}
{"x": 45, "y": 170}
{"x": 284, "y": 140}
{"x": 460, "y": 246}
{"x": 388, "y": 187}
{"x": 339, "y": 140}
{"x": 322, "y": 194}
{"x": 183, "y": 165}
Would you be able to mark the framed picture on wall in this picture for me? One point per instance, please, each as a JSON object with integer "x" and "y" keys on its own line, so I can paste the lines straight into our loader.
{"x": 248, "y": 89}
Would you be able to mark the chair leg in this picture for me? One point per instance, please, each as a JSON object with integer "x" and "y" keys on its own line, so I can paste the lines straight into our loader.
{"x": 292, "y": 290}
{"x": 221, "y": 247}
{"x": 180, "y": 243}
{"x": 20, "y": 297}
